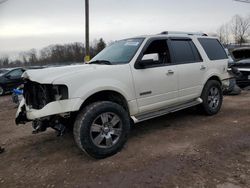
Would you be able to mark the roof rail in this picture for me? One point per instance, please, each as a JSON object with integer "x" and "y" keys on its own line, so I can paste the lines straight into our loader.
{"x": 182, "y": 33}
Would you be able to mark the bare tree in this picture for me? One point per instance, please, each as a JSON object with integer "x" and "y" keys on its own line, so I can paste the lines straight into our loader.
{"x": 24, "y": 58}
{"x": 100, "y": 45}
{"x": 224, "y": 34}
{"x": 32, "y": 54}
{"x": 4, "y": 61}
{"x": 240, "y": 28}
{"x": 54, "y": 54}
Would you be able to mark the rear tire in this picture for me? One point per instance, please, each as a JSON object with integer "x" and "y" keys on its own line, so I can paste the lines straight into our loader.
{"x": 101, "y": 129}
{"x": 212, "y": 98}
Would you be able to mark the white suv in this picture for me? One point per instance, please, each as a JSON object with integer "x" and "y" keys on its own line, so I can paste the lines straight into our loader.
{"x": 130, "y": 81}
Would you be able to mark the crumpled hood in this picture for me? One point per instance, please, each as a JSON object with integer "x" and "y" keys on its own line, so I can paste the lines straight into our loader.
{"x": 49, "y": 75}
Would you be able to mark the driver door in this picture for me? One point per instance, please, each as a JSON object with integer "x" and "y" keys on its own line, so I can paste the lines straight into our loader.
{"x": 156, "y": 83}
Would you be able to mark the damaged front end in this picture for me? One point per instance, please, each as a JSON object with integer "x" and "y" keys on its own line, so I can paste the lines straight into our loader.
{"x": 44, "y": 105}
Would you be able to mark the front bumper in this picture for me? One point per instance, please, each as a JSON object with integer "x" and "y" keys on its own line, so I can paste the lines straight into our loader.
{"x": 25, "y": 114}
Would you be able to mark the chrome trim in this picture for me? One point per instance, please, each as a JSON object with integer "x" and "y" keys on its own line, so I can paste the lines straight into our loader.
{"x": 151, "y": 115}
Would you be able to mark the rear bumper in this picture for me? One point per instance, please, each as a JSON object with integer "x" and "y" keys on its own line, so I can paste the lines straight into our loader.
{"x": 25, "y": 114}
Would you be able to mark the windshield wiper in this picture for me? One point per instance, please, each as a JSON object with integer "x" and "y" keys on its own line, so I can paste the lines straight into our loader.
{"x": 101, "y": 62}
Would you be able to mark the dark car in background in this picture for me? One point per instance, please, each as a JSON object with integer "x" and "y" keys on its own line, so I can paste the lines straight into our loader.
{"x": 3, "y": 71}
{"x": 241, "y": 58}
{"x": 10, "y": 80}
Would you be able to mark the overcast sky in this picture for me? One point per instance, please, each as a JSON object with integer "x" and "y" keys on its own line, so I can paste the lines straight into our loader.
{"x": 26, "y": 24}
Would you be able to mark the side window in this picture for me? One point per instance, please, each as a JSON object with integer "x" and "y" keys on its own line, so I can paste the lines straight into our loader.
{"x": 16, "y": 73}
{"x": 197, "y": 55}
{"x": 213, "y": 49}
{"x": 185, "y": 51}
{"x": 158, "y": 52}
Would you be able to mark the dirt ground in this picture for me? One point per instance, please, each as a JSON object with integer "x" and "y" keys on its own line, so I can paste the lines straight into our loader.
{"x": 183, "y": 149}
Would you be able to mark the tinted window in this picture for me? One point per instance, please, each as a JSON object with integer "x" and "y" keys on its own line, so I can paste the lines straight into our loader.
{"x": 16, "y": 73}
{"x": 185, "y": 51}
{"x": 213, "y": 48}
{"x": 197, "y": 55}
{"x": 160, "y": 48}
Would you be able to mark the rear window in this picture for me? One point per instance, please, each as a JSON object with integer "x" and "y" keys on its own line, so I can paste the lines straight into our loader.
{"x": 213, "y": 48}
{"x": 185, "y": 51}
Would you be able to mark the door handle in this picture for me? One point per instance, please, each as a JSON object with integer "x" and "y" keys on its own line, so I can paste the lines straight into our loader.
{"x": 203, "y": 67}
{"x": 170, "y": 72}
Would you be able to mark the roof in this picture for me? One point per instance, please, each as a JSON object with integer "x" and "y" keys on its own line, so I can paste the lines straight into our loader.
{"x": 178, "y": 34}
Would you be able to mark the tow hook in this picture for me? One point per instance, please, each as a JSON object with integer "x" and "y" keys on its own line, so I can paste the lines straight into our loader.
{"x": 39, "y": 126}
{"x": 60, "y": 128}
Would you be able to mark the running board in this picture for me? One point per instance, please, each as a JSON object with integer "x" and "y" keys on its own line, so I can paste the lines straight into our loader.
{"x": 162, "y": 112}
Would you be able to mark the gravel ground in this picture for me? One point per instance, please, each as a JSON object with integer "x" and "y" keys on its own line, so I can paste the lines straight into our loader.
{"x": 183, "y": 149}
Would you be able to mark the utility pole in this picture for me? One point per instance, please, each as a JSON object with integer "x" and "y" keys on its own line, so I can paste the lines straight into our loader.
{"x": 87, "y": 55}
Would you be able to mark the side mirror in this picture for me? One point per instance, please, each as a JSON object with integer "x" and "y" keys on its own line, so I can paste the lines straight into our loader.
{"x": 148, "y": 59}
{"x": 152, "y": 57}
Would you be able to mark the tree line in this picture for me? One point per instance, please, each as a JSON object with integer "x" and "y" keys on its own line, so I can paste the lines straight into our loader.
{"x": 236, "y": 31}
{"x": 53, "y": 55}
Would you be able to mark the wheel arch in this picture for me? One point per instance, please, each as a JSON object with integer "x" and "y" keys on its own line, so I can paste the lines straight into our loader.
{"x": 215, "y": 77}
{"x": 106, "y": 95}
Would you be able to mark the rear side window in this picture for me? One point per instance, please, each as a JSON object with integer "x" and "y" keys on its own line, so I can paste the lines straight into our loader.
{"x": 185, "y": 51}
{"x": 213, "y": 49}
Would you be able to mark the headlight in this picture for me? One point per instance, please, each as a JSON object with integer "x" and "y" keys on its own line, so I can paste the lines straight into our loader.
{"x": 60, "y": 92}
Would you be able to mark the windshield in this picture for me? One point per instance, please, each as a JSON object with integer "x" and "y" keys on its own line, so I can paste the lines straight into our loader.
{"x": 120, "y": 52}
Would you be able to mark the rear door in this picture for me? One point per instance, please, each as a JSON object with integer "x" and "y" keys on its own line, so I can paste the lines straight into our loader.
{"x": 217, "y": 56}
{"x": 190, "y": 66}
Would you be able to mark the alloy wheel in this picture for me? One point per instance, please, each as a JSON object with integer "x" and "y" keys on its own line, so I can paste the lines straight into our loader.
{"x": 213, "y": 98}
{"x": 106, "y": 130}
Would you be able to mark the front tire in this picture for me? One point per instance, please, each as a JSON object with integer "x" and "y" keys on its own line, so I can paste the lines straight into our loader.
{"x": 212, "y": 98}
{"x": 101, "y": 129}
